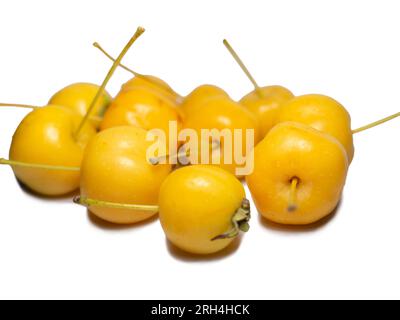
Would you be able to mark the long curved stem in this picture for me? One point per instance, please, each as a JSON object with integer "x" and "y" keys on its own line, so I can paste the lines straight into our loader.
{"x": 37, "y": 165}
{"x": 109, "y": 56}
{"x": 242, "y": 66}
{"x": 19, "y": 105}
{"x": 137, "y": 34}
{"x": 376, "y": 123}
{"x": 157, "y": 160}
{"x": 28, "y": 106}
{"x": 182, "y": 153}
{"x": 87, "y": 202}
{"x": 136, "y": 74}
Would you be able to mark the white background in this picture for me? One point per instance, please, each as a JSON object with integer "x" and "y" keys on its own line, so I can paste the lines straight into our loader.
{"x": 347, "y": 49}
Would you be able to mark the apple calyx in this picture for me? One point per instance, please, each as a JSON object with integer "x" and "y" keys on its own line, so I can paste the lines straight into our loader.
{"x": 240, "y": 222}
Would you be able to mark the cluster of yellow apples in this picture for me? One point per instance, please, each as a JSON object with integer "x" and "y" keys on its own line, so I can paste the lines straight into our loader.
{"x": 85, "y": 139}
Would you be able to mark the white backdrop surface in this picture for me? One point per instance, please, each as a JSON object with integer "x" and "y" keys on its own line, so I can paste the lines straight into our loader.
{"x": 346, "y": 49}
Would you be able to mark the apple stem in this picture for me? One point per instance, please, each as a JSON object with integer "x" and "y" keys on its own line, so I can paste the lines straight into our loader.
{"x": 18, "y": 105}
{"x": 292, "y": 206}
{"x": 156, "y": 160}
{"x": 243, "y": 67}
{"x": 37, "y": 165}
{"x": 376, "y": 123}
{"x": 240, "y": 222}
{"x": 136, "y": 74}
{"x": 137, "y": 34}
{"x": 28, "y": 106}
{"x": 98, "y": 46}
{"x": 215, "y": 144}
{"x": 87, "y": 202}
